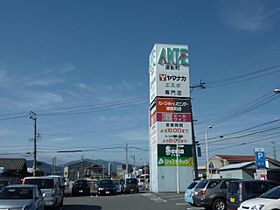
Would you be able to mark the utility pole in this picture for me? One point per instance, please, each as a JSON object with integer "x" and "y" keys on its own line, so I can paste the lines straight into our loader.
{"x": 201, "y": 85}
{"x": 126, "y": 158}
{"x": 274, "y": 150}
{"x": 32, "y": 115}
{"x": 177, "y": 169}
{"x": 134, "y": 160}
{"x": 54, "y": 165}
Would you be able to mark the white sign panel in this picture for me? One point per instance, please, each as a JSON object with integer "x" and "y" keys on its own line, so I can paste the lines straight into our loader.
{"x": 167, "y": 57}
{"x": 169, "y": 71}
{"x": 172, "y": 84}
{"x": 172, "y": 133}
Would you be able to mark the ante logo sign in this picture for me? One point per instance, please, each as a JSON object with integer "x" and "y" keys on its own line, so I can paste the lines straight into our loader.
{"x": 174, "y": 56}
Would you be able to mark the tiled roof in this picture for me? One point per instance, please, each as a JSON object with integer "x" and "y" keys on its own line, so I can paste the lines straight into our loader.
{"x": 237, "y": 158}
{"x": 12, "y": 164}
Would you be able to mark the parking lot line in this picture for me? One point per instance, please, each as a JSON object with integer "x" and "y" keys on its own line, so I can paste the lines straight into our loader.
{"x": 195, "y": 208}
{"x": 175, "y": 199}
{"x": 181, "y": 204}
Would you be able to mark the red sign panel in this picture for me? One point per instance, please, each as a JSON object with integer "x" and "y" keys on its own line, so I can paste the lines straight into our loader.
{"x": 173, "y": 105}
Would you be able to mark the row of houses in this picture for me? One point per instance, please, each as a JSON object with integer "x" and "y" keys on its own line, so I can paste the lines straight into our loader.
{"x": 226, "y": 166}
{"x": 239, "y": 166}
{"x": 16, "y": 169}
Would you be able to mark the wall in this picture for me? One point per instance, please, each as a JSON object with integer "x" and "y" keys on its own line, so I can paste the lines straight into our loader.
{"x": 167, "y": 180}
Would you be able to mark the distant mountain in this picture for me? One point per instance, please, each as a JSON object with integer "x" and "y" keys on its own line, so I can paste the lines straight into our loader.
{"x": 47, "y": 168}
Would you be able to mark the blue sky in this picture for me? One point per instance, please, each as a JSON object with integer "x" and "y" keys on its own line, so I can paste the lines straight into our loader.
{"x": 86, "y": 55}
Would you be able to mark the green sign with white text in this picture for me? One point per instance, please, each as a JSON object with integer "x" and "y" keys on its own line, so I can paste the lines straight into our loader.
{"x": 172, "y": 161}
{"x": 167, "y": 155}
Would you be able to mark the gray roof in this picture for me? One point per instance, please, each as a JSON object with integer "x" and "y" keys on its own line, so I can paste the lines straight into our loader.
{"x": 13, "y": 164}
{"x": 236, "y": 166}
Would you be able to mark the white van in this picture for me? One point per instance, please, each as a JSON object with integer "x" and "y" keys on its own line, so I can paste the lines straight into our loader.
{"x": 50, "y": 188}
{"x": 61, "y": 181}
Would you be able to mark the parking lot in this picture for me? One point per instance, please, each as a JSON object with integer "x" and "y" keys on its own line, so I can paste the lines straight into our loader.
{"x": 155, "y": 201}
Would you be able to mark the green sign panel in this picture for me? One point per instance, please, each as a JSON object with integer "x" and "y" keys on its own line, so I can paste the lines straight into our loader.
{"x": 167, "y": 155}
{"x": 171, "y": 161}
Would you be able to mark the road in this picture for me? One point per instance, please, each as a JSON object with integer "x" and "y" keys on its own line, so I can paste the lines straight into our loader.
{"x": 140, "y": 201}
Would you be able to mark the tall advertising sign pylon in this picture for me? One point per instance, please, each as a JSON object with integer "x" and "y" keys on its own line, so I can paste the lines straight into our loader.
{"x": 171, "y": 158}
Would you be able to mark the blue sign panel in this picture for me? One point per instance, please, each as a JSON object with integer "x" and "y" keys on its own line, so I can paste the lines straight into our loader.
{"x": 260, "y": 158}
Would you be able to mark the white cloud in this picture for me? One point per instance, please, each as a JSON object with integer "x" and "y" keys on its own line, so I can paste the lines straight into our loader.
{"x": 5, "y": 132}
{"x": 32, "y": 100}
{"x": 135, "y": 134}
{"x": 44, "y": 82}
{"x": 61, "y": 139}
{"x": 86, "y": 87}
{"x": 43, "y": 99}
{"x": 49, "y": 77}
{"x": 4, "y": 78}
{"x": 109, "y": 92}
{"x": 250, "y": 15}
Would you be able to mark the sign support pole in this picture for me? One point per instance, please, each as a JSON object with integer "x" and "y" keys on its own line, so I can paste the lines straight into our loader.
{"x": 177, "y": 168}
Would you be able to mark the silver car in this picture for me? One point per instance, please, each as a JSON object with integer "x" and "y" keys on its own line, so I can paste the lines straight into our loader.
{"x": 49, "y": 186}
{"x": 27, "y": 197}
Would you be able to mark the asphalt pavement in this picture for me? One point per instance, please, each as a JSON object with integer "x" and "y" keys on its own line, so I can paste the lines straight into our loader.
{"x": 139, "y": 201}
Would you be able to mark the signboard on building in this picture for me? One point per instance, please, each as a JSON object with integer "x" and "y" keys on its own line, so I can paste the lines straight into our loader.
{"x": 172, "y": 133}
{"x": 260, "y": 158}
{"x": 170, "y": 118}
{"x": 167, "y": 155}
{"x": 169, "y": 71}
{"x": 173, "y": 105}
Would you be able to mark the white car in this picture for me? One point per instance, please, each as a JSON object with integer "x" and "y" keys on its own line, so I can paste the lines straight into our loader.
{"x": 267, "y": 201}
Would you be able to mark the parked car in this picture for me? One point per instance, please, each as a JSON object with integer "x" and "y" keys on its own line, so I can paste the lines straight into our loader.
{"x": 131, "y": 185}
{"x": 119, "y": 183}
{"x": 93, "y": 186}
{"x": 4, "y": 183}
{"x": 241, "y": 190}
{"x": 50, "y": 189}
{"x": 211, "y": 193}
{"x": 80, "y": 187}
{"x": 143, "y": 181}
{"x": 61, "y": 180}
{"x": 106, "y": 187}
{"x": 267, "y": 201}
{"x": 21, "y": 197}
{"x": 189, "y": 192}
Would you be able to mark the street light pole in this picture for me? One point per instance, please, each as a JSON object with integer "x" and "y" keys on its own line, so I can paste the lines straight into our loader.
{"x": 206, "y": 150}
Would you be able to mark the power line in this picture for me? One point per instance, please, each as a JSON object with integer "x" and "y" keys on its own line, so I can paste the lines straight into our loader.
{"x": 250, "y": 128}
{"x": 268, "y": 97}
{"x": 93, "y": 109}
{"x": 90, "y": 150}
{"x": 243, "y": 77}
{"x": 80, "y": 109}
{"x": 94, "y": 106}
{"x": 244, "y": 143}
{"x": 13, "y": 117}
{"x": 242, "y": 136}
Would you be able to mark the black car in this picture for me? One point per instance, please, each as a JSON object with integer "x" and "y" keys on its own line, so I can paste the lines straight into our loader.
{"x": 80, "y": 187}
{"x": 4, "y": 183}
{"x": 131, "y": 186}
{"x": 106, "y": 187}
{"x": 241, "y": 190}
